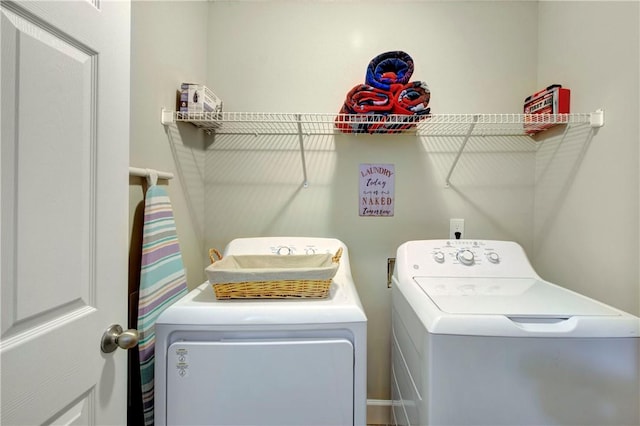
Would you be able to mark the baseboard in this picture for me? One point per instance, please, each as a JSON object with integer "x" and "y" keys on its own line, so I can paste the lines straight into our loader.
{"x": 378, "y": 411}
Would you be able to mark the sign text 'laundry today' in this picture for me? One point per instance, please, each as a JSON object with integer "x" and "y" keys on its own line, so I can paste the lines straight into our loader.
{"x": 377, "y": 182}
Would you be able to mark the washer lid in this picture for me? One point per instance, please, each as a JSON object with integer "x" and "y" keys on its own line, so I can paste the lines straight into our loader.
{"x": 512, "y": 297}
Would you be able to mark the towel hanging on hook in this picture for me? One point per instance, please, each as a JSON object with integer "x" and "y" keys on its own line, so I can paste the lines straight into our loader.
{"x": 162, "y": 281}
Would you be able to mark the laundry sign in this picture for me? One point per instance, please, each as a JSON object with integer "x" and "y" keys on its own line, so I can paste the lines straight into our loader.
{"x": 377, "y": 183}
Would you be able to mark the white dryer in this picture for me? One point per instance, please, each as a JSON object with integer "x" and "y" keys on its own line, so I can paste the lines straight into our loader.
{"x": 480, "y": 339}
{"x": 268, "y": 361}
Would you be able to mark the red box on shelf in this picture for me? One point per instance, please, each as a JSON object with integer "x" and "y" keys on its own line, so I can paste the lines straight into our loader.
{"x": 553, "y": 100}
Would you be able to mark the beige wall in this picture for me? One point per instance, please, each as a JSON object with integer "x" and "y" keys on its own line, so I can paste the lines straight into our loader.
{"x": 586, "y": 200}
{"x": 285, "y": 56}
{"x": 168, "y": 46}
{"x": 305, "y": 57}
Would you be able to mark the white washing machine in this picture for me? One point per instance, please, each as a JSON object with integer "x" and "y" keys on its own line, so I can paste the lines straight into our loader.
{"x": 480, "y": 339}
{"x": 264, "y": 362}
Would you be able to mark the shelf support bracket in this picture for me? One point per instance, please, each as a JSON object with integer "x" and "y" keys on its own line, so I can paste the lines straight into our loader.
{"x": 305, "y": 183}
{"x": 166, "y": 117}
{"x": 464, "y": 143}
{"x": 596, "y": 119}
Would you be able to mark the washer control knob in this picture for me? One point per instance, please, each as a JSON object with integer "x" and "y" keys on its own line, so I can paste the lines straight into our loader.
{"x": 438, "y": 257}
{"x": 284, "y": 250}
{"x": 310, "y": 250}
{"x": 465, "y": 257}
{"x": 493, "y": 257}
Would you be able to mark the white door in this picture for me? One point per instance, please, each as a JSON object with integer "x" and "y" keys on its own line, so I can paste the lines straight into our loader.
{"x": 64, "y": 191}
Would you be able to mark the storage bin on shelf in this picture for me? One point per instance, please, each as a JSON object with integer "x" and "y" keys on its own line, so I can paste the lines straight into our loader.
{"x": 198, "y": 98}
{"x": 272, "y": 276}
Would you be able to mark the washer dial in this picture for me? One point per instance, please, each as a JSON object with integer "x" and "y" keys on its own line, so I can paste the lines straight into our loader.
{"x": 438, "y": 257}
{"x": 284, "y": 250}
{"x": 466, "y": 257}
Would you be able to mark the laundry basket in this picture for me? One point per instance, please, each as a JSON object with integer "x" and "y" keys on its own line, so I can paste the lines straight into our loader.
{"x": 272, "y": 276}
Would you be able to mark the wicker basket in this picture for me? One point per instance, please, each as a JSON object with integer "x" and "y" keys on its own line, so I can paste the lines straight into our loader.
{"x": 272, "y": 276}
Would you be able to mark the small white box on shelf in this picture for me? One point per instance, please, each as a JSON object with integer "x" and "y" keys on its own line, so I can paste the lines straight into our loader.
{"x": 198, "y": 98}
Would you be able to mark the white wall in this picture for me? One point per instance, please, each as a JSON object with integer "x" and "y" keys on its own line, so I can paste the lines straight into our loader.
{"x": 586, "y": 202}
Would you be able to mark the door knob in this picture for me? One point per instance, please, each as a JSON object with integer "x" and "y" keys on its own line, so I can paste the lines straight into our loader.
{"x": 114, "y": 337}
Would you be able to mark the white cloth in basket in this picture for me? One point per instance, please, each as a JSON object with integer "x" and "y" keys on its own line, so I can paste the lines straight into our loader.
{"x": 255, "y": 268}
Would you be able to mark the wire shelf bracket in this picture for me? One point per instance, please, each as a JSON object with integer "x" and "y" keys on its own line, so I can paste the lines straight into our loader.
{"x": 594, "y": 119}
{"x": 464, "y": 143}
{"x": 305, "y": 182}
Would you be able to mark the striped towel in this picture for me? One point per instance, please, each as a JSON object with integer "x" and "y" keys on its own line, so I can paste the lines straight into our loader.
{"x": 162, "y": 282}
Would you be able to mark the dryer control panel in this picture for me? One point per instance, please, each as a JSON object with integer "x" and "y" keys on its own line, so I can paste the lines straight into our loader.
{"x": 290, "y": 249}
{"x": 284, "y": 246}
{"x": 463, "y": 258}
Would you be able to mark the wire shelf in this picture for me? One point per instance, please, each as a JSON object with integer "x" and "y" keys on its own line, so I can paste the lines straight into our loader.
{"x": 262, "y": 123}
{"x": 306, "y": 124}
